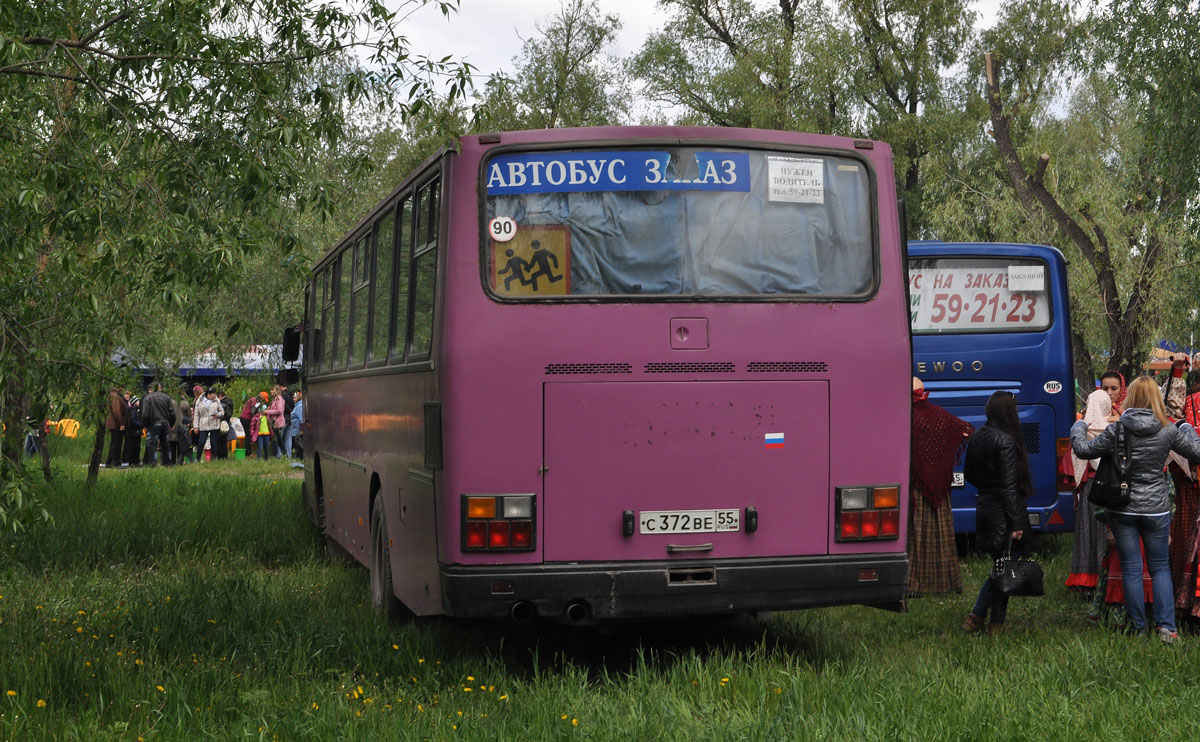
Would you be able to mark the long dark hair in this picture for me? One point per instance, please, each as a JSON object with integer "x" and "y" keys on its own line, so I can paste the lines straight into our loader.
{"x": 1002, "y": 414}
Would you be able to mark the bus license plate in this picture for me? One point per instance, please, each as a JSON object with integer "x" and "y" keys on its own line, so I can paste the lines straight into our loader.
{"x": 689, "y": 521}
{"x": 959, "y": 480}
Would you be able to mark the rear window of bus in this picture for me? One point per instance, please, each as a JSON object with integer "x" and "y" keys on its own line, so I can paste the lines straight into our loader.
{"x": 978, "y": 294}
{"x": 677, "y": 222}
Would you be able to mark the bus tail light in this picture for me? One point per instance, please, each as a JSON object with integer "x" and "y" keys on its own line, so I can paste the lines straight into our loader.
{"x": 475, "y": 535}
{"x": 498, "y": 522}
{"x": 867, "y": 513}
{"x": 889, "y": 523}
{"x": 522, "y": 534}
{"x": 851, "y": 525}
{"x": 1066, "y": 467}
{"x": 887, "y": 497}
{"x": 498, "y": 535}
{"x": 870, "y": 524}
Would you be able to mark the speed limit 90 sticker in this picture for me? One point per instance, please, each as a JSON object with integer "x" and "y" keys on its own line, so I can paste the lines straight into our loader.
{"x": 502, "y": 228}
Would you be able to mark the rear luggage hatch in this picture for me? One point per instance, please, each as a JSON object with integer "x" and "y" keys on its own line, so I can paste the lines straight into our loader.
{"x": 687, "y": 459}
{"x": 1037, "y": 433}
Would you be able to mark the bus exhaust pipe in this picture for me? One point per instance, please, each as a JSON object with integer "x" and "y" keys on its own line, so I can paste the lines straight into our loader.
{"x": 522, "y": 611}
{"x": 576, "y": 612}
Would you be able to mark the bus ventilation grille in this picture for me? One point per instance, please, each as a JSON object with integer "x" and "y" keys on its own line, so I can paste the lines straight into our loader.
{"x": 589, "y": 368}
{"x": 715, "y": 367}
{"x": 1031, "y": 436}
{"x": 787, "y": 367}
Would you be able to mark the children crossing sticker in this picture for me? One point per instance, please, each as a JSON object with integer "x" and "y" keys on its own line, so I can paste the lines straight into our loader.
{"x": 534, "y": 261}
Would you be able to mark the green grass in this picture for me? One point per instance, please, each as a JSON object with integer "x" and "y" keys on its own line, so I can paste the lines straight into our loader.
{"x": 196, "y": 603}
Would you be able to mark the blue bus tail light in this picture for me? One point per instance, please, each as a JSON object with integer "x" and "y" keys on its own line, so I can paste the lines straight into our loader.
{"x": 1066, "y": 467}
{"x": 498, "y": 522}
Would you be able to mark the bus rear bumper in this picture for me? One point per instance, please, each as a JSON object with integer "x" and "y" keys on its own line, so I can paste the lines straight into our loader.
{"x": 603, "y": 590}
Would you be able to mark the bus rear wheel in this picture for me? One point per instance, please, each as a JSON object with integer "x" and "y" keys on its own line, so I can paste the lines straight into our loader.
{"x": 383, "y": 595}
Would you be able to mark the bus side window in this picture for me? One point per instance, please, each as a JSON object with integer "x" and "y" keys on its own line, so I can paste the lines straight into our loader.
{"x": 325, "y": 323}
{"x": 341, "y": 335}
{"x": 405, "y": 215}
{"x": 359, "y": 304}
{"x": 424, "y": 275}
{"x": 381, "y": 299}
{"x": 312, "y": 321}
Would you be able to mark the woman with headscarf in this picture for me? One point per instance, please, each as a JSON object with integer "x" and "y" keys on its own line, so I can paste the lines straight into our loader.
{"x": 1144, "y": 523}
{"x": 1108, "y": 598}
{"x": 1091, "y": 539}
{"x": 938, "y": 439}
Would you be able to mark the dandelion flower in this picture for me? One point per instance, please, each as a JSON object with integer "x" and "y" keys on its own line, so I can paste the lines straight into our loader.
{"x": 139, "y": 662}
{"x": 574, "y": 722}
{"x": 471, "y": 678}
{"x": 161, "y": 689}
{"x": 315, "y": 706}
{"x": 420, "y": 661}
{"x": 41, "y": 703}
{"x": 778, "y": 691}
{"x": 724, "y": 680}
{"x": 396, "y": 646}
{"x": 11, "y": 693}
{"x": 503, "y": 698}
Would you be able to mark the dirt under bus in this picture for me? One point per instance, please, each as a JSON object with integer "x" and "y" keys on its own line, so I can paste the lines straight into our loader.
{"x": 586, "y": 374}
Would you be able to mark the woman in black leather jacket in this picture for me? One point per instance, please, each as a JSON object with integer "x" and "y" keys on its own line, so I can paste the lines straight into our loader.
{"x": 997, "y": 465}
{"x": 1147, "y": 517}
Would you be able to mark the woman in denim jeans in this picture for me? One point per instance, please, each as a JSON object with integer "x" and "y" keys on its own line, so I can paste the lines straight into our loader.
{"x": 996, "y": 463}
{"x": 1147, "y": 517}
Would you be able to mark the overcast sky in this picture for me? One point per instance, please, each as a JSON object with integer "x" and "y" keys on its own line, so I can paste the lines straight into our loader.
{"x": 488, "y": 33}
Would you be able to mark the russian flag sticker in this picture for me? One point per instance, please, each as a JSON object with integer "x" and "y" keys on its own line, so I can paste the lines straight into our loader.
{"x": 773, "y": 440}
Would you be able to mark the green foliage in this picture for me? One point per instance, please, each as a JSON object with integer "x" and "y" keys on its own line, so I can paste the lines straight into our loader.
{"x": 562, "y": 76}
{"x": 879, "y": 70}
{"x": 736, "y": 63}
{"x": 153, "y": 153}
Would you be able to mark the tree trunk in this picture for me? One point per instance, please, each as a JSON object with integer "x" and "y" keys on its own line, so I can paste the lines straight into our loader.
{"x": 1085, "y": 373}
{"x": 98, "y": 446}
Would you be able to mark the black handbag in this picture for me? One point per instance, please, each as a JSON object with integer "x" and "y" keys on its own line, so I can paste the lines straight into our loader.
{"x": 1110, "y": 487}
{"x": 1016, "y": 575}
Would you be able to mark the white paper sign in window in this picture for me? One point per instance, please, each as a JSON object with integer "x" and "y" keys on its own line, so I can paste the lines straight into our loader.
{"x": 1026, "y": 278}
{"x": 796, "y": 180}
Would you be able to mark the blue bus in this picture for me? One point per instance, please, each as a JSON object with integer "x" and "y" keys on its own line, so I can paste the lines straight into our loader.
{"x": 988, "y": 317}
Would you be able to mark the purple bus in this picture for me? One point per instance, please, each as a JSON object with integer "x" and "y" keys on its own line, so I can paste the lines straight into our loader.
{"x": 585, "y": 374}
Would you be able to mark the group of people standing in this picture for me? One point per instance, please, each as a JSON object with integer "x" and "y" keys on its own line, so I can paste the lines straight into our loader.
{"x": 1109, "y": 544}
{"x": 1144, "y": 552}
{"x": 200, "y": 427}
